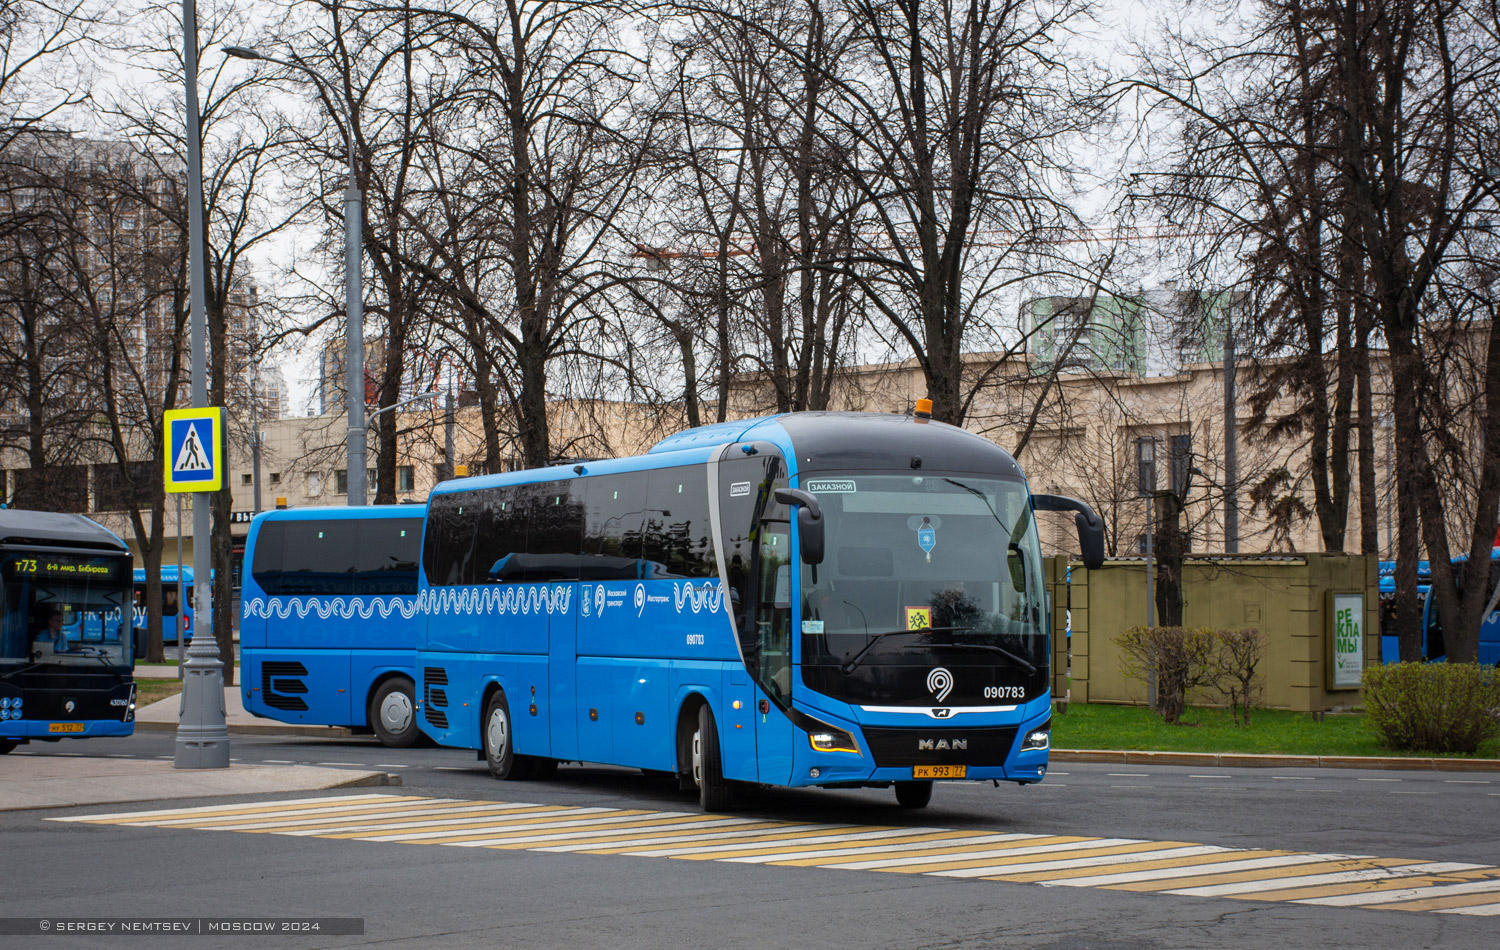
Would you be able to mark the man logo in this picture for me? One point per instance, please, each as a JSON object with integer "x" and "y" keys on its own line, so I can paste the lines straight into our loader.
{"x": 940, "y": 682}
{"x": 942, "y": 745}
{"x": 941, "y": 713}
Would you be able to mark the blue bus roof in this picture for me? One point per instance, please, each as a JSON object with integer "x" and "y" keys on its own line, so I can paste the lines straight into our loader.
{"x": 844, "y": 440}
{"x": 327, "y": 512}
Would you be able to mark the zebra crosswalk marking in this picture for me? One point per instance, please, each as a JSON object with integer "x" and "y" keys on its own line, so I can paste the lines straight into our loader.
{"x": 1340, "y": 891}
{"x": 594, "y": 837}
{"x": 338, "y": 822}
{"x": 1382, "y": 871}
{"x": 1487, "y": 888}
{"x": 1166, "y": 868}
{"x": 1313, "y": 864}
{"x": 949, "y": 858}
{"x": 1130, "y": 864}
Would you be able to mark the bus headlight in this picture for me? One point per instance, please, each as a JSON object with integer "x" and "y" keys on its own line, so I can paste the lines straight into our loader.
{"x": 1038, "y": 739}
{"x": 828, "y": 739}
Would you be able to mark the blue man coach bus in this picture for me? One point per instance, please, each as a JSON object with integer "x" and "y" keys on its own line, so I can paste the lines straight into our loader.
{"x": 66, "y": 657}
{"x": 812, "y": 599}
{"x": 328, "y": 618}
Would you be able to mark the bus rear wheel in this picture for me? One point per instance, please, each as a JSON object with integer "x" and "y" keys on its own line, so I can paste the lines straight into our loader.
{"x": 499, "y": 754}
{"x": 7, "y": 744}
{"x": 714, "y": 791}
{"x": 913, "y": 794}
{"x": 393, "y": 713}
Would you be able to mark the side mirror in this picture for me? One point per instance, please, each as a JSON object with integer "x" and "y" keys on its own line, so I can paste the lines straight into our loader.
{"x": 1090, "y": 526}
{"x": 809, "y": 522}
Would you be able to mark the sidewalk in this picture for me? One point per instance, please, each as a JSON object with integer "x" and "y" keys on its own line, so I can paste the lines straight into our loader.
{"x": 161, "y": 716}
{"x": 47, "y": 781}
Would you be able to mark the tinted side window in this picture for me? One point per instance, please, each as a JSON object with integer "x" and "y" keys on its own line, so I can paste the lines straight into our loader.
{"x": 265, "y": 564}
{"x": 449, "y": 554}
{"x": 616, "y": 504}
{"x": 677, "y": 533}
{"x": 501, "y": 530}
{"x": 554, "y": 526}
{"x": 385, "y": 559}
{"x": 318, "y": 557}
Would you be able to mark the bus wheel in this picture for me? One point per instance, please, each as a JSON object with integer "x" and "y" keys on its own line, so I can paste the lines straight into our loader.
{"x": 498, "y": 751}
{"x": 714, "y": 791}
{"x": 7, "y": 744}
{"x": 393, "y": 713}
{"x": 913, "y": 794}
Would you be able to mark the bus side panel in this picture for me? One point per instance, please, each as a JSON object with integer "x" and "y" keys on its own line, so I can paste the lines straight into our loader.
{"x": 444, "y": 712}
{"x": 518, "y": 676}
{"x": 639, "y": 701}
{"x": 737, "y": 726}
{"x": 367, "y": 666}
{"x": 594, "y": 712}
{"x": 298, "y": 686}
{"x": 559, "y": 702}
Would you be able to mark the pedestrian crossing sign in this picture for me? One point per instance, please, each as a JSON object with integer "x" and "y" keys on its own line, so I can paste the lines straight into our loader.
{"x": 195, "y": 449}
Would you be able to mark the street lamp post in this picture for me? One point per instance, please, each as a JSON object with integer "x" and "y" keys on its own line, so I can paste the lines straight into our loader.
{"x": 354, "y": 401}
{"x": 202, "y": 734}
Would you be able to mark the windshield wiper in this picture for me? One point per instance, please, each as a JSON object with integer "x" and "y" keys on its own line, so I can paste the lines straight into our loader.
{"x": 1025, "y": 665}
{"x": 853, "y": 661}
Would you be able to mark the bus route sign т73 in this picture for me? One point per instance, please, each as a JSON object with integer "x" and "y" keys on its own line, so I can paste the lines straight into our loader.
{"x": 194, "y": 449}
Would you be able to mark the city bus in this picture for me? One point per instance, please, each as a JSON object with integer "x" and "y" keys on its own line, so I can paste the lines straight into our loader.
{"x": 328, "y": 618}
{"x": 67, "y": 659}
{"x": 172, "y": 617}
{"x": 1434, "y": 646}
{"x": 809, "y": 599}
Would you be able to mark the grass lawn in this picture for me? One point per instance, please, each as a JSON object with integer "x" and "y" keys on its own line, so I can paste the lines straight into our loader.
{"x": 1270, "y": 731}
{"x": 148, "y": 691}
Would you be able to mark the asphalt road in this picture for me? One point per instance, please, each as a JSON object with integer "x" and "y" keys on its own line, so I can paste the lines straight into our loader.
{"x": 429, "y": 896}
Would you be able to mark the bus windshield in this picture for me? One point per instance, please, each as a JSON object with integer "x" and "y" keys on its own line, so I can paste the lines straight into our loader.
{"x": 61, "y": 608}
{"x": 923, "y": 571}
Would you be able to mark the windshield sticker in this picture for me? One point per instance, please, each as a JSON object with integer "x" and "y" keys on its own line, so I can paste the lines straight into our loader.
{"x": 812, "y": 626}
{"x": 918, "y": 618}
{"x": 927, "y": 537}
{"x": 828, "y": 486}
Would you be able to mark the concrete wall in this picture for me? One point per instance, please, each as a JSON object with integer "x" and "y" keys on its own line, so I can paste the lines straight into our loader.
{"x": 1285, "y": 598}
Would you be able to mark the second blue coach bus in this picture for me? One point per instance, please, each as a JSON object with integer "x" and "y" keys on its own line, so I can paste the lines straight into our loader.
{"x": 328, "y": 618}
{"x": 812, "y": 599}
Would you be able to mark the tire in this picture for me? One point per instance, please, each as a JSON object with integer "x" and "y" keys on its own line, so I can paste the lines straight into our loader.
{"x": 498, "y": 737}
{"x": 714, "y": 791}
{"x": 7, "y": 744}
{"x": 393, "y": 713}
{"x": 913, "y": 794}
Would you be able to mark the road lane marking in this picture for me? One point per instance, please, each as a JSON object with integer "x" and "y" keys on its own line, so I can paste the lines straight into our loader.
{"x": 1129, "y": 864}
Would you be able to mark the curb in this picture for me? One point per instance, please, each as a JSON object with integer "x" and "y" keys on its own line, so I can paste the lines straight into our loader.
{"x": 1244, "y": 760}
{"x": 326, "y": 732}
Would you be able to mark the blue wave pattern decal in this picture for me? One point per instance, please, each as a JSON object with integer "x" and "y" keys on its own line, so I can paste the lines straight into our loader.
{"x": 709, "y": 597}
{"x": 452, "y": 601}
{"x": 327, "y": 608}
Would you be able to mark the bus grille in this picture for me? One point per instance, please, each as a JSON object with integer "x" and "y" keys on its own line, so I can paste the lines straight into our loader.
{"x": 940, "y": 746}
{"x": 275, "y": 690}
{"x": 434, "y": 697}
